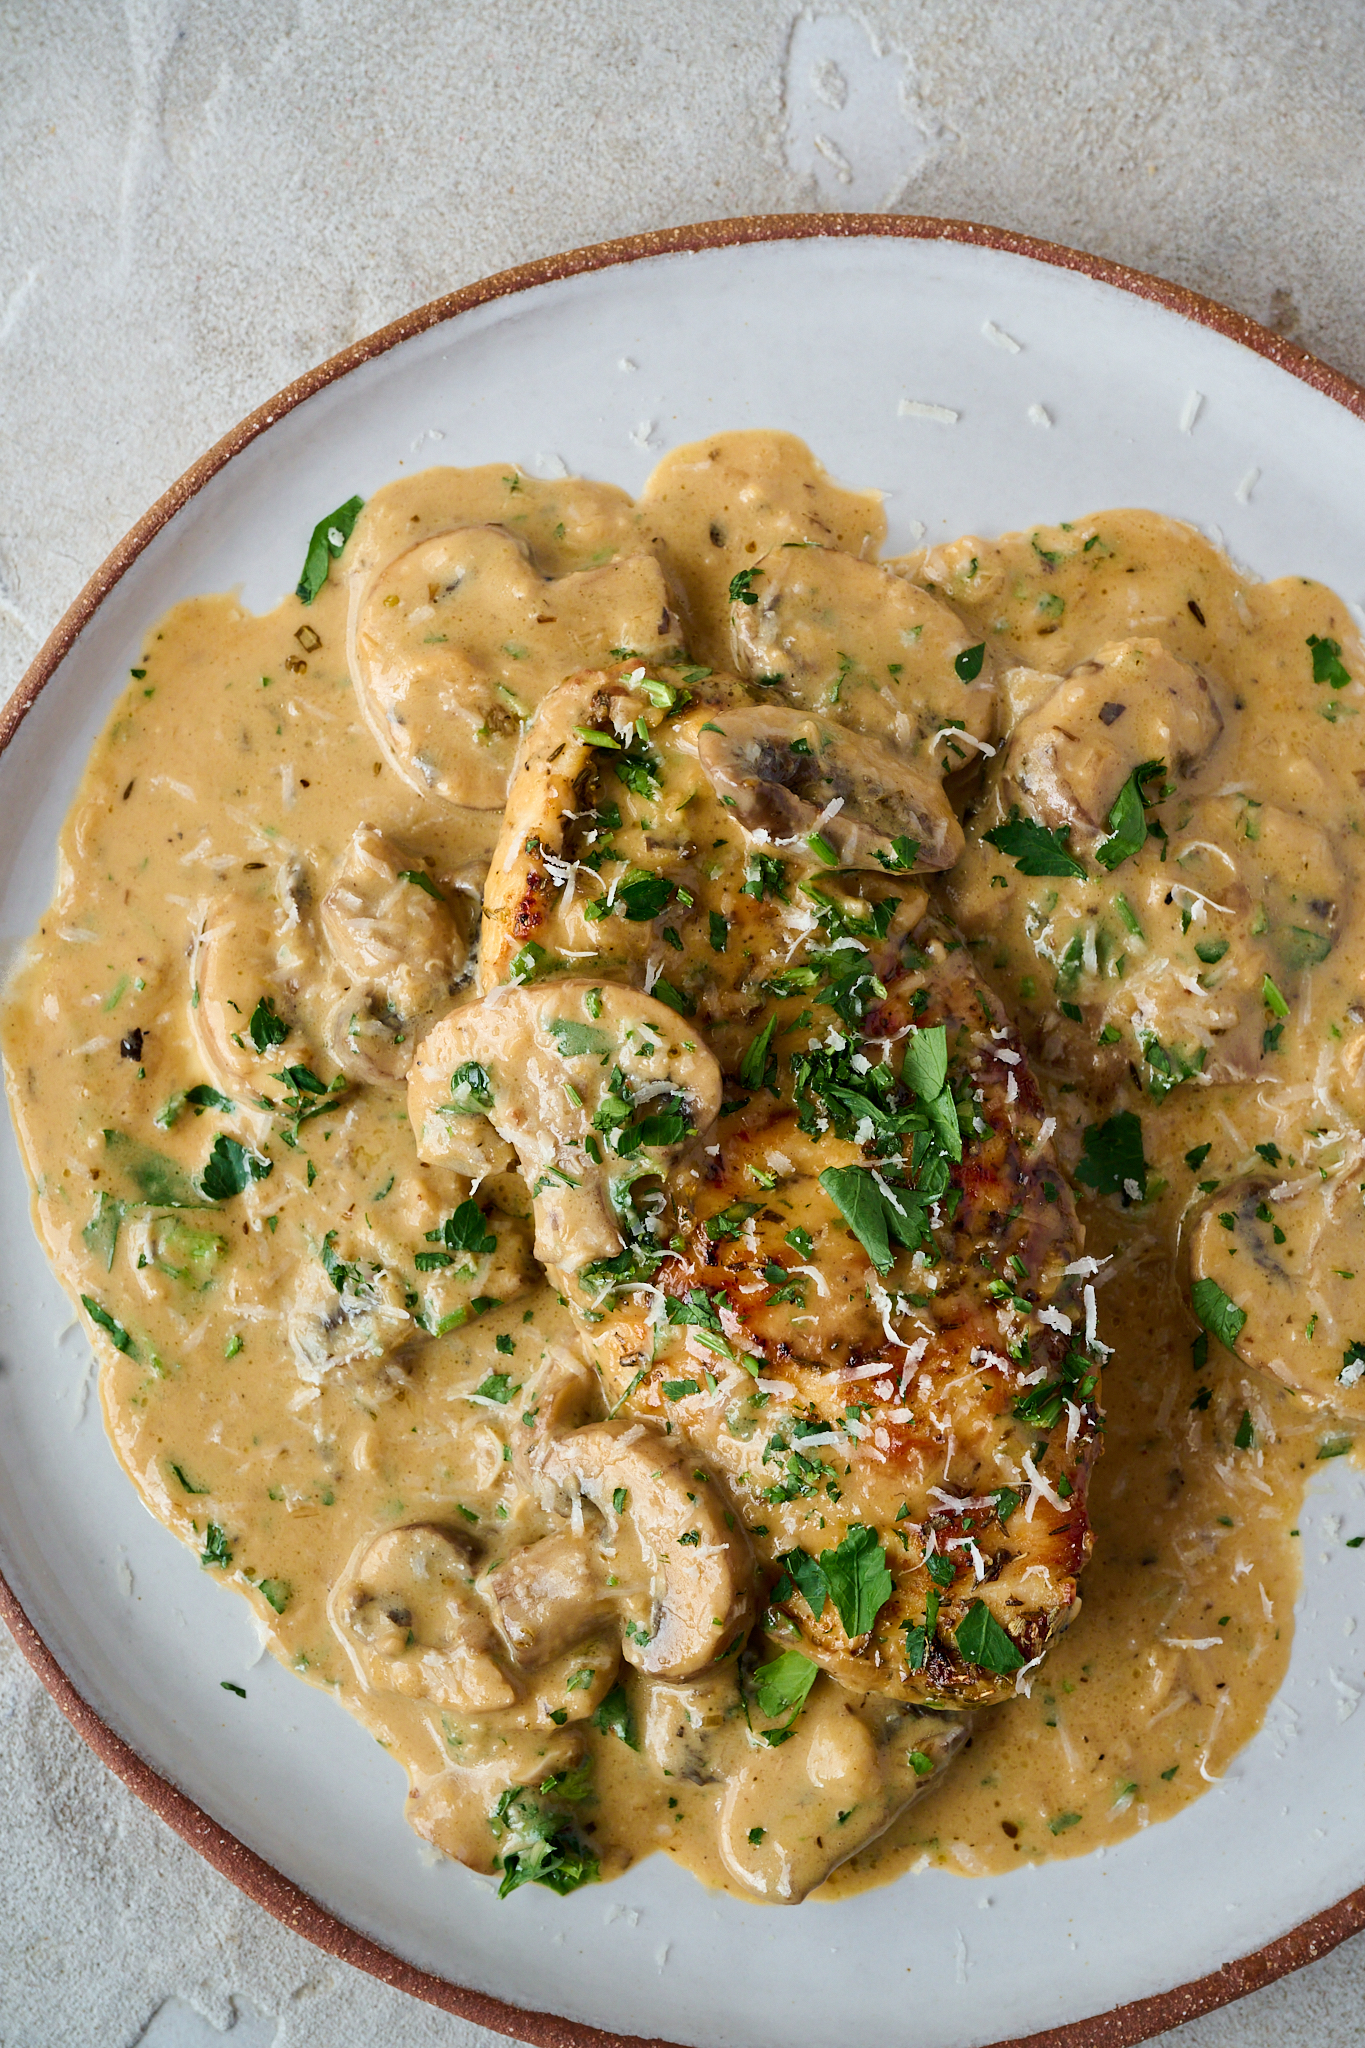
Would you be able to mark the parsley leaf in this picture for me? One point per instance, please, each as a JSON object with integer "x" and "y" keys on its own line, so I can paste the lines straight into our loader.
{"x": 754, "y": 1064}
{"x": 1034, "y": 849}
{"x": 984, "y": 1642}
{"x": 902, "y": 857}
{"x": 782, "y": 1686}
{"x": 420, "y": 880}
{"x": 642, "y": 896}
{"x": 968, "y": 663}
{"x": 926, "y": 1061}
{"x": 470, "y": 1088}
{"x": 202, "y": 1097}
{"x": 548, "y": 1848}
{"x": 1127, "y": 819}
{"x": 267, "y": 1027}
{"x": 1112, "y": 1155}
{"x": 1327, "y": 663}
{"x": 330, "y": 536}
{"x": 664, "y": 992}
{"x": 1217, "y": 1312}
{"x": 859, "y": 1583}
{"x": 809, "y": 1580}
{"x": 467, "y": 1231}
{"x": 740, "y": 587}
{"x": 112, "y": 1328}
{"x": 614, "y": 1717}
{"x": 231, "y": 1167}
{"x": 574, "y": 1039}
{"x": 497, "y": 1387}
{"x": 859, "y": 1201}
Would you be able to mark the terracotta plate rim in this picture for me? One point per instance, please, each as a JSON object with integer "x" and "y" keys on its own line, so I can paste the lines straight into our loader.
{"x": 1123, "y": 2026}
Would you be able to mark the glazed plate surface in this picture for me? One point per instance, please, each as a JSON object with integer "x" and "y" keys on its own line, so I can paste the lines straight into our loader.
{"x": 828, "y": 337}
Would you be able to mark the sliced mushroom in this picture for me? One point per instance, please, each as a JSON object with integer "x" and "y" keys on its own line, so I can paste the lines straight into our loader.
{"x": 395, "y": 937}
{"x": 406, "y": 1612}
{"x": 548, "y": 1597}
{"x": 455, "y": 642}
{"x": 689, "y": 1728}
{"x": 563, "y": 1072}
{"x": 247, "y": 947}
{"x": 1291, "y": 1265}
{"x": 694, "y": 1597}
{"x": 452, "y": 1808}
{"x": 387, "y": 923}
{"x": 792, "y": 1814}
{"x": 1132, "y": 703}
{"x": 787, "y": 775}
{"x": 565, "y": 1395}
{"x": 359, "y": 1328}
{"x": 858, "y": 640}
{"x": 1166, "y": 961}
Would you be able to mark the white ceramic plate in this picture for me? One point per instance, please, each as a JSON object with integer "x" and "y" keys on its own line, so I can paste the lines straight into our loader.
{"x": 602, "y": 361}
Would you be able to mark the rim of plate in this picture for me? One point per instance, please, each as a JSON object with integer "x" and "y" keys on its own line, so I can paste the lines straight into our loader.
{"x": 1121, "y": 2027}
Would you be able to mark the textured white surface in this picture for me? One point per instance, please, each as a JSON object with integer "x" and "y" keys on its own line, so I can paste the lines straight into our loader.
{"x": 201, "y": 201}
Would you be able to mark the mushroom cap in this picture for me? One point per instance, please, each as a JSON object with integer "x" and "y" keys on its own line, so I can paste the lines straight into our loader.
{"x": 387, "y": 923}
{"x": 1131, "y": 702}
{"x": 1294, "y": 1248}
{"x": 792, "y": 1814}
{"x": 548, "y": 1597}
{"x": 700, "y": 1568}
{"x": 246, "y": 946}
{"x": 399, "y": 947}
{"x": 550, "y": 1060}
{"x": 828, "y": 626}
{"x": 454, "y": 642}
{"x": 786, "y": 775}
{"x": 409, "y": 1619}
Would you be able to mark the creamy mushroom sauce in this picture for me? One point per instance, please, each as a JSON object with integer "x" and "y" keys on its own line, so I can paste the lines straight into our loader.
{"x": 223, "y": 796}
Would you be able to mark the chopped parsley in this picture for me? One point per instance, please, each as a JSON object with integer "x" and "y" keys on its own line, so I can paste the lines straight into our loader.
{"x": 1034, "y": 849}
{"x": 982, "y": 1641}
{"x": 497, "y": 1387}
{"x": 574, "y": 1040}
{"x": 614, "y": 1717}
{"x": 859, "y": 1583}
{"x": 1217, "y": 1312}
{"x": 420, "y": 880}
{"x": 231, "y": 1167}
{"x": 1127, "y": 819}
{"x": 268, "y": 1029}
{"x": 1327, "y": 663}
{"x": 545, "y": 1845}
{"x": 330, "y": 536}
{"x": 1112, "y": 1159}
{"x": 781, "y": 1689}
{"x": 470, "y": 1089}
{"x": 112, "y": 1328}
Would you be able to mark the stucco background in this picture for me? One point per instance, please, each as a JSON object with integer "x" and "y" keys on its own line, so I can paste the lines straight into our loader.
{"x": 198, "y": 202}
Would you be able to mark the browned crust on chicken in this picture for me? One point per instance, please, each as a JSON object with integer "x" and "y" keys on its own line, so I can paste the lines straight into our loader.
{"x": 935, "y": 1462}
